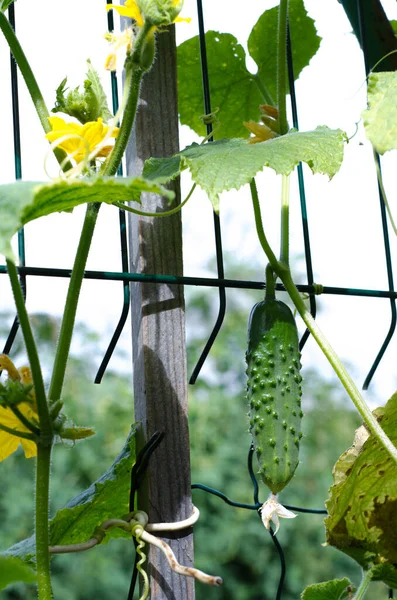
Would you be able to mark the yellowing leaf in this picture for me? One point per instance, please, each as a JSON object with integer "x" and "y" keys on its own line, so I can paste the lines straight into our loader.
{"x": 380, "y": 120}
{"x": 362, "y": 503}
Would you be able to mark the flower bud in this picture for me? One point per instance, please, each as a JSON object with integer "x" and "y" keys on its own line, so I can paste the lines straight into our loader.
{"x": 160, "y": 12}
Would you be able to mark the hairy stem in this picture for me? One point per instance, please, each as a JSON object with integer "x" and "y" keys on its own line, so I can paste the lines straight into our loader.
{"x": 383, "y": 192}
{"x": 259, "y": 226}
{"x": 42, "y": 530}
{"x": 363, "y": 587}
{"x": 134, "y": 74}
{"x": 133, "y": 79}
{"x": 37, "y": 376}
{"x": 284, "y": 249}
{"x": 69, "y": 315}
{"x": 26, "y": 71}
{"x": 29, "y": 78}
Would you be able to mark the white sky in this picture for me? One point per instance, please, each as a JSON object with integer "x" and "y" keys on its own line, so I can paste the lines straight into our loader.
{"x": 344, "y": 218}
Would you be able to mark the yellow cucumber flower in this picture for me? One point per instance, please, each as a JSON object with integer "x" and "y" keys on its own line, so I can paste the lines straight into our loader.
{"x": 8, "y": 442}
{"x": 81, "y": 142}
{"x": 120, "y": 44}
{"x": 158, "y": 12}
{"x": 129, "y": 9}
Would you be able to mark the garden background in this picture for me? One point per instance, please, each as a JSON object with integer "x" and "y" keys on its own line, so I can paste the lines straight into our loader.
{"x": 330, "y": 91}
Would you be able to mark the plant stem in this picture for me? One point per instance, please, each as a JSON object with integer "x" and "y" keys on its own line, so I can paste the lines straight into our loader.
{"x": 26, "y": 71}
{"x": 263, "y": 90}
{"x": 284, "y": 250}
{"x": 42, "y": 530}
{"x": 133, "y": 83}
{"x": 69, "y": 315}
{"x": 29, "y": 78}
{"x": 20, "y": 434}
{"x": 383, "y": 192}
{"x": 282, "y": 66}
{"x": 283, "y": 272}
{"x": 37, "y": 376}
{"x": 259, "y": 226}
{"x": 134, "y": 74}
{"x": 166, "y": 213}
{"x": 270, "y": 283}
{"x": 363, "y": 587}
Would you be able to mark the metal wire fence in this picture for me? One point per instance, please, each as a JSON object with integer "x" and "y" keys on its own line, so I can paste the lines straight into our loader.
{"x": 220, "y": 281}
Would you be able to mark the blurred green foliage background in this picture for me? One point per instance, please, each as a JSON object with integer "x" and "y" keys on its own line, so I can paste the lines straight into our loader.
{"x": 229, "y": 542}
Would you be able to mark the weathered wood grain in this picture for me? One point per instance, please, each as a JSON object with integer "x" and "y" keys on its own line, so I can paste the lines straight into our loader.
{"x": 158, "y": 325}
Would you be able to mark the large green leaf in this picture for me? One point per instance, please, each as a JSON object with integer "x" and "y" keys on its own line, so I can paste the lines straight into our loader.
{"x": 23, "y": 201}
{"x": 362, "y": 503}
{"x": 234, "y": 90}
{"x": 380, "y": 120}
{"x": 337, "y": 589}
{"x": 13, "y": 569}
{"x": 262, "y": 43}
{"x": 108, "y": 497}
{"x": 229, "y": 164}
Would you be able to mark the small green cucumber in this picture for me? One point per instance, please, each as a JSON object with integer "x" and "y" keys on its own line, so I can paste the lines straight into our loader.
{"x": 274, "y": 391}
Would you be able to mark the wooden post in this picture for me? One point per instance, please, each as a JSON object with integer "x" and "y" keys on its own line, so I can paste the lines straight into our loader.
{"x": 158, "y": 329}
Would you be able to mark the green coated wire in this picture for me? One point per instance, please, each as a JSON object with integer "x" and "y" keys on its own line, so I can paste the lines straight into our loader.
{"x": 18, "y": 175}
{"x": 201, "y": 281}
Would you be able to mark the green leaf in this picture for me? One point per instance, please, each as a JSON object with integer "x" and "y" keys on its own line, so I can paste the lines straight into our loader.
{"x": 234, "y": 90}
{"x": 24, "y": 201}
{"x": 386, "y": 573}
{"x": 229, "y": 164}
{"x": 380, "y": 120}
{"x": 87, "y": 106}
{"x": 362, "y": 502}
{"x": 96, "y": 97}
{"x": 336, "y": 589}
{"x": 12, "y": 569}
{"x": 108, "y": 497}
{"x": 4, "y": 4}
{"x": 262, "y": 43}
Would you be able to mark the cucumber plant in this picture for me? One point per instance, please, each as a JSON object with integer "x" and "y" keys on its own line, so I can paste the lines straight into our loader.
{"x": 273, "y": 360}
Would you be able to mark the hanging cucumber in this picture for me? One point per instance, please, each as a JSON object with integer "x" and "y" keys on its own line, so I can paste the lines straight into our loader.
{"x": 274, "y": 395}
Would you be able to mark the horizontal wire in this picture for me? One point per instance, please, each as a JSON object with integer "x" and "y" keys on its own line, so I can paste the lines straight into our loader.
{"x": 205, "y": 488}
{"x": 197, "y": 281}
